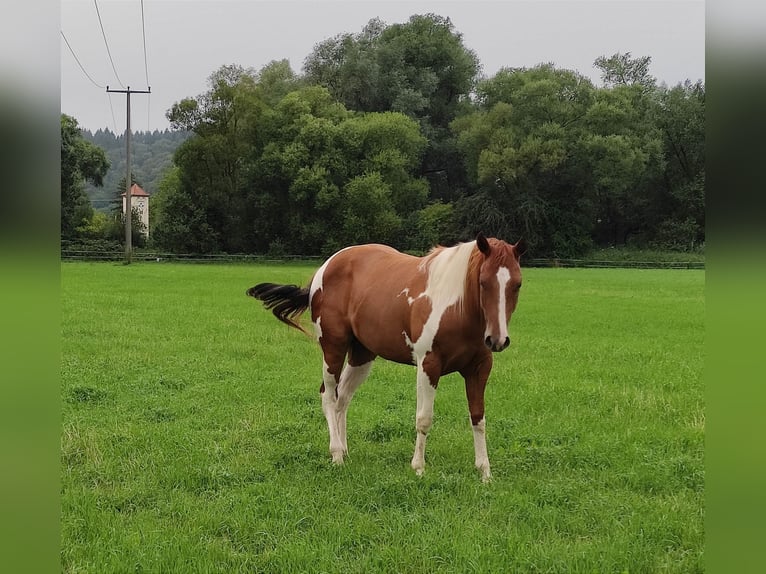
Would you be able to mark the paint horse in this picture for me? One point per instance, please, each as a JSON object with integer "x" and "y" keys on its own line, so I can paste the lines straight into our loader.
{"x": 445, "y": 312}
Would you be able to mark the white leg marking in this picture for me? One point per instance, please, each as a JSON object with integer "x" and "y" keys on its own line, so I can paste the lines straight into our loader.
{"x": 350, "y": 380}
{"x": 329, "y": 407}
{"x": 480, "y": 449}
{"x": 423, "y": 418}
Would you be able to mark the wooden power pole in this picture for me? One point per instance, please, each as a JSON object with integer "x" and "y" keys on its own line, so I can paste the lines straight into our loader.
{"x": 128, "y": 178}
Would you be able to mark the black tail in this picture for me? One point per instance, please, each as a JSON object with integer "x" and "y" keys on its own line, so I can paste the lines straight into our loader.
{"x": 287, "y": 302}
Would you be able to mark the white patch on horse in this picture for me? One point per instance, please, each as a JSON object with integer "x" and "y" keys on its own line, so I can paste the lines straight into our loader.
{"x": 406, "y": 291}
{"x": 446, "y": 274}
{"x": 445, "y": 287}
{"x": 423, "y": 418}
{"x": 318, "y": 327}
{"x": 329, "y": 407}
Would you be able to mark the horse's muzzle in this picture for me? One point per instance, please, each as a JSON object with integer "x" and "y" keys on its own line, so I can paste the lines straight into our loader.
{"x": 496, "y": 347}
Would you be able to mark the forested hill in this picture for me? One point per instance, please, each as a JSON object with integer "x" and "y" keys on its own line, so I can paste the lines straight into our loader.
{"x": 152, "y": 154}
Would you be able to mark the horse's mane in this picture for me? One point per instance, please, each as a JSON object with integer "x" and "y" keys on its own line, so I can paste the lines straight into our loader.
{"x": 448, "y": 269}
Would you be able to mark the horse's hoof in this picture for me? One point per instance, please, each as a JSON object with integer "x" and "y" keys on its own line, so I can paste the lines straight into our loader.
{"x": 486, "y": 475}
{"x": 337, "y": 458}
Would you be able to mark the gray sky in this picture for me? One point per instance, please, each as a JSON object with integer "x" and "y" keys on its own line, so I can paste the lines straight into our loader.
{"x": 188, "y": 40}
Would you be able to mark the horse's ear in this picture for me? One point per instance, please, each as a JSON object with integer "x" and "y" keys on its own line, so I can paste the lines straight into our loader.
{"x": 482, "y": 243}
{"x": 520, "y": 247}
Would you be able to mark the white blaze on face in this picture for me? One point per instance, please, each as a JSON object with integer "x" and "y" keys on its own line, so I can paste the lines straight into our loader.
{"x": 503, "y": 276}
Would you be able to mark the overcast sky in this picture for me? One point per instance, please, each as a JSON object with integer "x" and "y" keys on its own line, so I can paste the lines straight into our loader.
{"x": 188, "y": 40}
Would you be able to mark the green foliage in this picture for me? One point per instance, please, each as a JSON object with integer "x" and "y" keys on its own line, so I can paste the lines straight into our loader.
{"x": 432, "y": 226}
{"x": 525, "y": 145}
{"x": 420, "y": 68}
{"x": 624, "y": 70}
{"x": 631, "y": 255}
{"x": 368, "y": 212}
{"x": 391, "y": 135}
{"x": 569, "y": 166}
{"x": 680, "y": 191}
{"x": 100, "y": 226}
{"x": 195, "y": 441}
{"x": 297, "y": 173}
{"x": 80, "y": 161}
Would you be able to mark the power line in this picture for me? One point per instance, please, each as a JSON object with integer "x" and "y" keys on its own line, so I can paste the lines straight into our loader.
{"x": 76, "y": 59}
{"x": 114, "y": 122}
{"x": 146, "y": 69}
{"x": 109, "y": 97}
{"x": 109, "y": 53}
{"x": 143, "y": 33}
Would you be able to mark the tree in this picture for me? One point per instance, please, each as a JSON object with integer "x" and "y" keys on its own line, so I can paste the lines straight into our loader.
{"x": 519, "y": 147}
{"x": 680, "y": 200}
{"x": 556, "y": 160}
{"x": 278, "y": 166}
{"x": 211, "y": 161}
{"x": 624, "y": 70}
{"x": 420, "y": 68}
{"x": 80, "y": 161}
{"x": 367, "y": 212}
{"x": 346, "y": 65}
{"x": 314, "y": 160}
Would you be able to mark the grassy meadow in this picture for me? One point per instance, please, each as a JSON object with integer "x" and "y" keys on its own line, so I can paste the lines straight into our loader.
{"x": 193, "y": 438}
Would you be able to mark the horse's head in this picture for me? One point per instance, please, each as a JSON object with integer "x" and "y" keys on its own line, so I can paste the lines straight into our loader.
{"x": 499, "y": 285}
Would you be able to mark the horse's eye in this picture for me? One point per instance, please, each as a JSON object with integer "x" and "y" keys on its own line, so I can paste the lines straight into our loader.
{"x": 517, "y": 288}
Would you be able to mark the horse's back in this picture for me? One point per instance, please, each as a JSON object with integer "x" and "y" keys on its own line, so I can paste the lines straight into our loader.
{"x": 358, "y": 266}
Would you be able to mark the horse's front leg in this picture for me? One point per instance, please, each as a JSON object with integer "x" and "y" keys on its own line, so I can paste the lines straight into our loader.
{"x": 475, "y": 382}
{"x": 425, "y": 410}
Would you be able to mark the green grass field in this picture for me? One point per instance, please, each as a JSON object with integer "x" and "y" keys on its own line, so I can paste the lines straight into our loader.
{"x": 193, "y": 438}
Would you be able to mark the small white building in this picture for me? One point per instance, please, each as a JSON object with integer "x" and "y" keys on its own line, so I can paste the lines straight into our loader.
{"x": 139, "y": 201}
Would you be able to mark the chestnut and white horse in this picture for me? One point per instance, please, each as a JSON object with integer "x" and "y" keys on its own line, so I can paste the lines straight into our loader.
{"x": 445, "y": 312}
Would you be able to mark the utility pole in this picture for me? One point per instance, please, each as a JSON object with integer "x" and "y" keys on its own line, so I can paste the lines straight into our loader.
{"x": 128, "y": 178}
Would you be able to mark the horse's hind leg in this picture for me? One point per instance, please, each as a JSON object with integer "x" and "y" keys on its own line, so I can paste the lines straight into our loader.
{"x": 332, "y": 366}
{"x": 354, "y": 374}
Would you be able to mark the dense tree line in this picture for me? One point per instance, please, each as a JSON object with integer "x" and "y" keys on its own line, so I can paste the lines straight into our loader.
{"x": 392, "y": 135}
